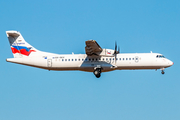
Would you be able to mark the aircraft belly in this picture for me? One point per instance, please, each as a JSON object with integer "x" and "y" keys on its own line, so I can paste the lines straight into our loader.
{"x": 138, "y": 67}
{"x": 90, "y": 66}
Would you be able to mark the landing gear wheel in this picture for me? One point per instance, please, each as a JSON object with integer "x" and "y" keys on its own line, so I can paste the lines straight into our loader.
{"x": 97, "y": 72}
{"x": 162, "y": 72}
{"x": 98, "y": 75}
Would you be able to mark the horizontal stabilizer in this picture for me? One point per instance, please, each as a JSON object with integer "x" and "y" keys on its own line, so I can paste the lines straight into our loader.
{"x": 13, "y": 33}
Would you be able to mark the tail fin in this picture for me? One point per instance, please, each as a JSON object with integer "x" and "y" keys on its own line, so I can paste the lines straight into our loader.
{"x": 19, "y": 47}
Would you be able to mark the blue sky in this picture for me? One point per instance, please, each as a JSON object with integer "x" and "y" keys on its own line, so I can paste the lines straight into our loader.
{"x": 62, "y": 27}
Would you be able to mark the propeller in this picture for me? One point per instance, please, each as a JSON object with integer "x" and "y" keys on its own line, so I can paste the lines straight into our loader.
{"x": 116, "y": 51}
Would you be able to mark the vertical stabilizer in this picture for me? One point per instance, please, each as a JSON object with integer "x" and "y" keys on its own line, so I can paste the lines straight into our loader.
{"x": 19, "y": 47}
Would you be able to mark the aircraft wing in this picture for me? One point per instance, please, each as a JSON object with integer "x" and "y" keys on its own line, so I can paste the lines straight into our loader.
{"x": 92, "y": 48}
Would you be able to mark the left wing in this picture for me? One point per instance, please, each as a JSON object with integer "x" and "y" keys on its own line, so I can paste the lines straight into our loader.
{"x": 92, "y": 48}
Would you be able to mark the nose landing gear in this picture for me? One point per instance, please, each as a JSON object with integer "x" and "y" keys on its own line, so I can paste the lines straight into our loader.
{"x": 97, "y": 72}
{"x": 162, "y": 71}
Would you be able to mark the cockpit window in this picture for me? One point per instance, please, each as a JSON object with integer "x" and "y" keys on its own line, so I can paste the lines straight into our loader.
{"x": 160, "y": 56}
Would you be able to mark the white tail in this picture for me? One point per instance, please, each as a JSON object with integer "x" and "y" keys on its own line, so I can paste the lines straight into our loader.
{"x": 19, "y": 47}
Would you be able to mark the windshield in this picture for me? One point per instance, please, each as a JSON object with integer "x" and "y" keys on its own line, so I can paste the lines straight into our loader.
{"x": 160, "y": 56}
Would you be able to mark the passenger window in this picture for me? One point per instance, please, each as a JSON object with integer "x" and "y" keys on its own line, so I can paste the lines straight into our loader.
{"x": 82, "y": 59}
{"x": 72, "y": 59}
{"x": 129, "y": 58}
{"x": 75, "y": 59}
{"x": 69, "y": 60}
{"x": 103, "y": 59}
{"x": 126, "y": 58}
{"x": 109, "y": 58}
{"x": 62, "y": 59}
{"x": 132, "y": 58}
{"x": 119, "y": 58}
{"x": 65, "y": 59}
{"x": 79, "y": 59}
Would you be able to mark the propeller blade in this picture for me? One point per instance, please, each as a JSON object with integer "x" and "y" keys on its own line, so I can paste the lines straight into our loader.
{"x": 118, "y": 49}
{"x": 115, "y": 50}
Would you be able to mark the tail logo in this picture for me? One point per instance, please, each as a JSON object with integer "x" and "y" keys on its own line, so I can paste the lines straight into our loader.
{"x": 22, "y": 50}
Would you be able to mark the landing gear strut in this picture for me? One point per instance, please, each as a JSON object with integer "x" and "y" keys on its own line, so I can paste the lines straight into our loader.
{"x": 162, "y": 71}
{"x": 97, "y": 72}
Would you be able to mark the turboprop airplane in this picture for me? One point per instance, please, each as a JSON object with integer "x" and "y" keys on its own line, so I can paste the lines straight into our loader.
{"x": 96, "y": 59}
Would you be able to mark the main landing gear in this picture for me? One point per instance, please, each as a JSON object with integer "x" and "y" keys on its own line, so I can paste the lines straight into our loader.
{"x": 97, "y": 72}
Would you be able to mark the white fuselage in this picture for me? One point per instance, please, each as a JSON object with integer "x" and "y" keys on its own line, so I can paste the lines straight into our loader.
{"x": 95, "y": 60}
{"x": 83, "y": 62}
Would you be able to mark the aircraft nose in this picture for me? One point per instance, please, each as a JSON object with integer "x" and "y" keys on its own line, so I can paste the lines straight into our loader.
{"x": 171, "y": 63}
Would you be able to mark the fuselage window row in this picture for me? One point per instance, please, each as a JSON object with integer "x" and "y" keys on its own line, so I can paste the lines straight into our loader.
{"x": 96, "y": 59}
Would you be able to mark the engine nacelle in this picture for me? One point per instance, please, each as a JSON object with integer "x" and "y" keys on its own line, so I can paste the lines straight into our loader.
{"x": 107, "y": 53}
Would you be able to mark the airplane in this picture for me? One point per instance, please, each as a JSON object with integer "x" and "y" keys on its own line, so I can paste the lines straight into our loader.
{"x": 96, "y": 59}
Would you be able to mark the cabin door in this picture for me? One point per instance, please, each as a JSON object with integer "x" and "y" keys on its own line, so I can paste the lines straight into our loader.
{"x": 49, "y": 62}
